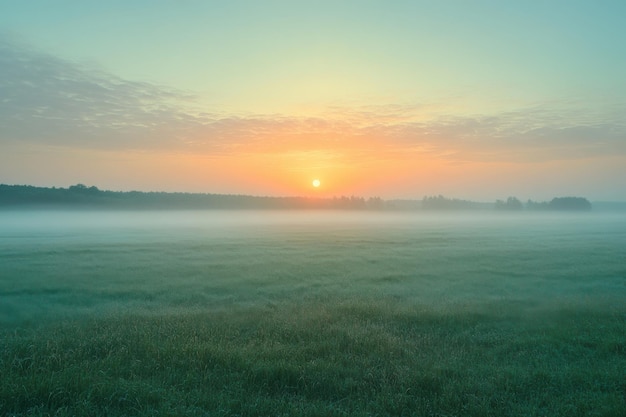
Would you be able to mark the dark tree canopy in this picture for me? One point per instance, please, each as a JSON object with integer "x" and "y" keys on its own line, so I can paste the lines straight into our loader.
{"x": 511, "y": 203}
{"x": 560, "y": 204}
{"x": 440, "y": 202}
{"x": 570, "y": 204}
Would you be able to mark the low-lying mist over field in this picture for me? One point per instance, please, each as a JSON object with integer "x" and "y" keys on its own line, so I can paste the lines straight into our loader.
{"x": 309, "y": 312}
{"x": 80, "y": 262}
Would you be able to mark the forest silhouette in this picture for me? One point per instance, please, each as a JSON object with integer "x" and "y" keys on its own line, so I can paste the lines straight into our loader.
{"x": 82, "y": 196}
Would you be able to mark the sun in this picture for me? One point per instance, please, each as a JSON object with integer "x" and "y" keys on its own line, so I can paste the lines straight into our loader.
{"x": 316, "y": 183}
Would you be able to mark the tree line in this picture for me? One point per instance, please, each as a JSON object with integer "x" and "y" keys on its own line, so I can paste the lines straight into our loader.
{"x": 82, "y": 196}
{"x": 440, "y": 202}
{"x": 557, "y": 203}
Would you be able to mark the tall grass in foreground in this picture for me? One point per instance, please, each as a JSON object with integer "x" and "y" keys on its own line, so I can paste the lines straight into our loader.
{"x": 330, "y": 356}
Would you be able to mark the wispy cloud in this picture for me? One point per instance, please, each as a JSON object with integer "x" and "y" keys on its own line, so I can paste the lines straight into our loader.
{"x": 44, "y": 98}
{"x": 47, "y": 100}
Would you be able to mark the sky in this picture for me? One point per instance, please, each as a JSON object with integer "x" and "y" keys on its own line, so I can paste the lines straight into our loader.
{"x": 477, "y": 100}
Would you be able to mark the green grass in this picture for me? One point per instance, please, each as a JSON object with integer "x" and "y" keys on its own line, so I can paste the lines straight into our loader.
{"x": 442, "y": 318}
{"x": 323, "y": 357}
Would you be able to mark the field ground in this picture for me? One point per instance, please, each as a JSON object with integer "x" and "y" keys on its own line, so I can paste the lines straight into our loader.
{"x": 172, "y": 315}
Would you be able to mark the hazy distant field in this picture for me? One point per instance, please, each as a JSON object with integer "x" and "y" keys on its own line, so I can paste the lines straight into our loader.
{"x": 312, "y": 313}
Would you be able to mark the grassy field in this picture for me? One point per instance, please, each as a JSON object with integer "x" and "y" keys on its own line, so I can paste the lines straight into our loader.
{"x": 220, "y": 314}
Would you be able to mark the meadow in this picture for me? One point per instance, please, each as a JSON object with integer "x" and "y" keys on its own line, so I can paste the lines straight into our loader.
{"x": 215, "y": 313}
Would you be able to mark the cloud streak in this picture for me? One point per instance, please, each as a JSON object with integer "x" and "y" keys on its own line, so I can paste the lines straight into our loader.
{"x": 49, "y": 101}
{"x": 57, "y": 102}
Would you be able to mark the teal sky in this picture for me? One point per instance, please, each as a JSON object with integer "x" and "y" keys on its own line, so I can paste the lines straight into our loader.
{"x": 345, "y": 90}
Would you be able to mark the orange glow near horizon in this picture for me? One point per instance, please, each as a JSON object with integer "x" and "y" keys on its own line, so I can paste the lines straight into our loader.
{"x": 279, "y": 164}
{"x": 346, "y": 165}
{"x": 354, "y": 166}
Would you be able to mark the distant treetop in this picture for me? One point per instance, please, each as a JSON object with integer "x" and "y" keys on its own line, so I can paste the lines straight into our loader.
{"x": 570, "y": 203}
{"x": 440, "y": 202}
{"x": 560, "y": 204}
{"x": 511, "y": 203}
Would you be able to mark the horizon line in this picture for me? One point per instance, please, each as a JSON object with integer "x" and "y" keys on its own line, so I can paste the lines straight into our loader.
{"x": 416, "y": 199}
